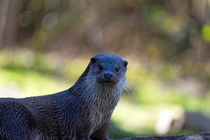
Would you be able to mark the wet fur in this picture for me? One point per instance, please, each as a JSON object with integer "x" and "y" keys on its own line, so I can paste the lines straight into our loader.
{"x": 80, "y": 113}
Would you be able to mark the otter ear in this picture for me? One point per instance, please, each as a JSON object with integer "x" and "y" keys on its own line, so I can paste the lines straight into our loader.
{"x": 93, "y": 60}
{"x": 125, "y": 63}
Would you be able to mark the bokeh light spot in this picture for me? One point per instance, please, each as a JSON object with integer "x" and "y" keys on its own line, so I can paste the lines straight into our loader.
{"x": 206, "y": 32}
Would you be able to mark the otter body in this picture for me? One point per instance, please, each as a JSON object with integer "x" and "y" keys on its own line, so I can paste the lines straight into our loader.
{"x": 82, "y": 112}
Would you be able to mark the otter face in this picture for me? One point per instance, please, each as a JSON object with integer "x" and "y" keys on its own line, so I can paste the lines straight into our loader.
{"x": 108, "y": 69}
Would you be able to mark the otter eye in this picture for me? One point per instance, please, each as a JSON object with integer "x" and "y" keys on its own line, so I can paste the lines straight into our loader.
{"x": 100, "y": 67}
{"x": 117, "y": 69}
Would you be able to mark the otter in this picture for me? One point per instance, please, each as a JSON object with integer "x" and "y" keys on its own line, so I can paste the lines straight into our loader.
{"x": 81, "y": 112}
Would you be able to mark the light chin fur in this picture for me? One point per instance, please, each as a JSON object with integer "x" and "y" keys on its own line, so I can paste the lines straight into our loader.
{"x": 107, "y": 95}
{"x": 102, "y": 99}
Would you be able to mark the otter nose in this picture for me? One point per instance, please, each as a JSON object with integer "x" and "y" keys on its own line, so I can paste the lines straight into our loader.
{"x": 108, "y": 75}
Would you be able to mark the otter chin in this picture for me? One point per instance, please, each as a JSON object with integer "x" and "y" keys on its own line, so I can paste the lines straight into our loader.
{"x": 81, "y": 112}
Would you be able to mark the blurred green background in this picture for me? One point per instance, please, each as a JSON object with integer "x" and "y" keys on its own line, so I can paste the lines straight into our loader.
{"x": 45, "y": 45}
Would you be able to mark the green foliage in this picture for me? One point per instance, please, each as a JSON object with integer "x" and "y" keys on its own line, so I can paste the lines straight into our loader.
{"x": 26, "y": 60}
{"x": 206, "y": 32}
{"x": 32, "y": 83}
{"x": 151, "y": 29}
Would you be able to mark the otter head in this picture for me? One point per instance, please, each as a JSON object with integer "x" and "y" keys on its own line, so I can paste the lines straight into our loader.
{"x": 107, "y": 69}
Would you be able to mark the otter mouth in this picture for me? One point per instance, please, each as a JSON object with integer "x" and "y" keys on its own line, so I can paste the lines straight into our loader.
{"x": 106, "y": 81}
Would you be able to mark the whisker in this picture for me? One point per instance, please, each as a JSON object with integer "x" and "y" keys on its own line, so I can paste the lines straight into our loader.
{"x": 128, "y": 88}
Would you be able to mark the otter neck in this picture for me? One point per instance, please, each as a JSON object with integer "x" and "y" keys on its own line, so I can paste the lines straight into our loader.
{"x": 102, "y": 97}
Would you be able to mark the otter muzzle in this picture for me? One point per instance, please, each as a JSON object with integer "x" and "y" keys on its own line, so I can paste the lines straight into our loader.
{"x": 107, "y": 77}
